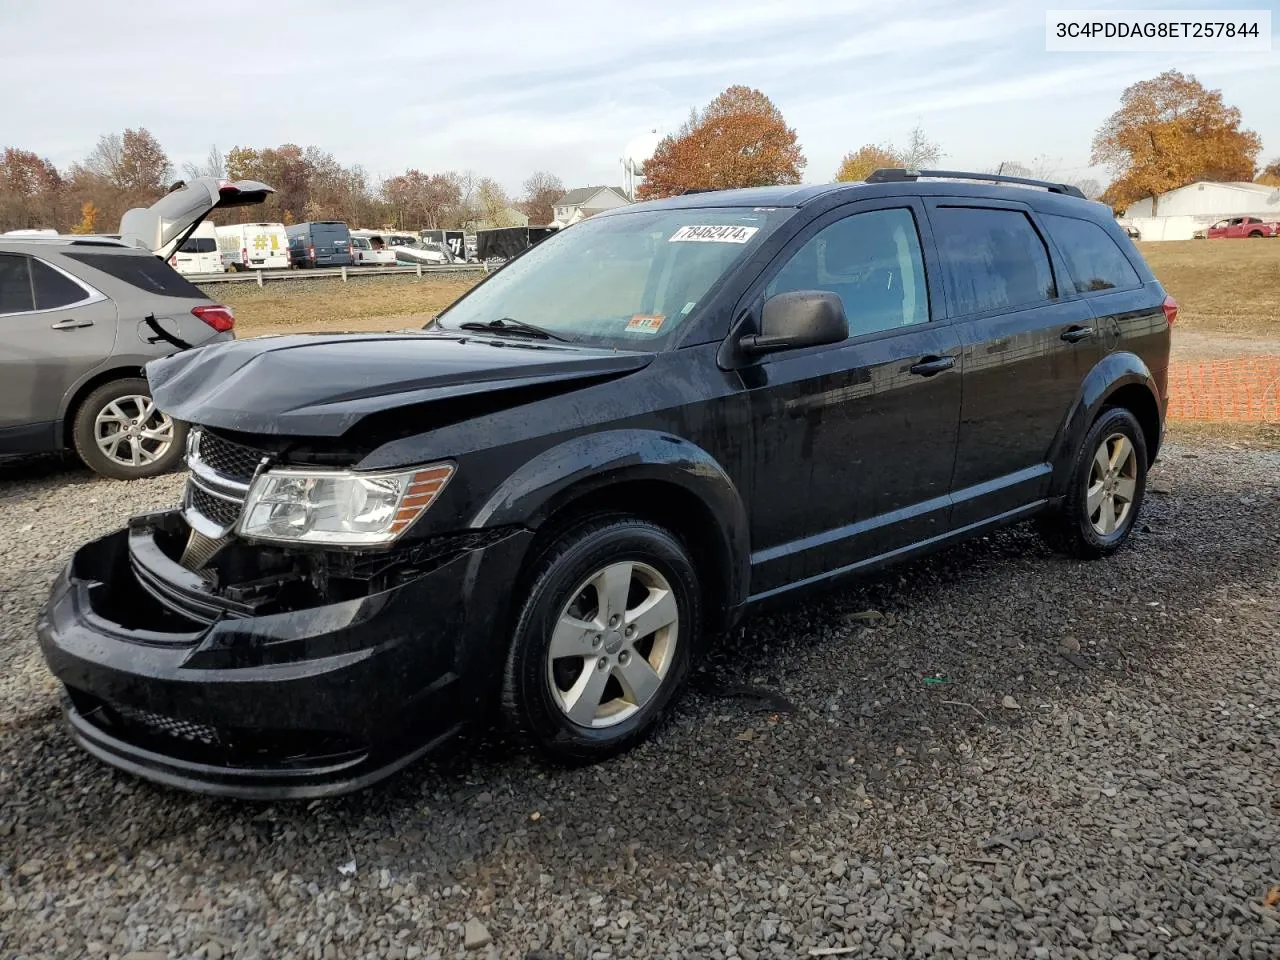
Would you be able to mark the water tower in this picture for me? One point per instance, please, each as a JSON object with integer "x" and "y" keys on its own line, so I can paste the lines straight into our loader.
{"x": 634, "y": 156}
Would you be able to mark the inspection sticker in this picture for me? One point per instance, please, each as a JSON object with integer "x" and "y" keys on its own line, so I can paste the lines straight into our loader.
{"x": 722, "y": 234}
{"x": 645, "y": 323}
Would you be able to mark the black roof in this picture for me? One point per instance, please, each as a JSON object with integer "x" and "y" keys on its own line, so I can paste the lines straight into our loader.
{"x": 788, "y": 195}
{"x": 801, "y": 194}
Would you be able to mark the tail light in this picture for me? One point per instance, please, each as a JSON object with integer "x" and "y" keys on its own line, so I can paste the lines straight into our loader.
{"x": 217, "y": 316}
{"x": 1170, "y": 308}
{"x": 311, "y": 253}
{"x": 244, "y": 254}
{"x": 173, "y": 261}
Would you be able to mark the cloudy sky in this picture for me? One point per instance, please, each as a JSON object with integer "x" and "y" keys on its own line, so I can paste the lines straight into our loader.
{"x": 504, "y": 87}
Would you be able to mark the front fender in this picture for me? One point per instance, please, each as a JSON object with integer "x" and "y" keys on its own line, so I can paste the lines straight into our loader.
{"x": 592, "y": 462}
{"x": 1112, "y": 372}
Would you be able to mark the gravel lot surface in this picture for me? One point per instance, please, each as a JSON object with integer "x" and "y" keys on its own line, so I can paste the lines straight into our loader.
{"x": 995, "y": 752}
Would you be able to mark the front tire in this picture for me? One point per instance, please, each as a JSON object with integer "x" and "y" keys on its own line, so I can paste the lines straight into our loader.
{"x": 606, "y": 638}
{"x": 1105, "y": 490}
{"x": 119, "y": 433}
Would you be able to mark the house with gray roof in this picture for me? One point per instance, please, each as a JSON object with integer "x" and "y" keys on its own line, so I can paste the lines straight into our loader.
{"x": 581, "y": 203}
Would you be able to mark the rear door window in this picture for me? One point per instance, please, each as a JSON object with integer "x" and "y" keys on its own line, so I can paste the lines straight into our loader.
{"x": 1093, "y": 258}
{"x": 199, "y": 245}
{"x": 54, "y": 289}
{"x": 141, "y": 271}
{"x": 15, "y": 284}
{"x": 991, "y": 260}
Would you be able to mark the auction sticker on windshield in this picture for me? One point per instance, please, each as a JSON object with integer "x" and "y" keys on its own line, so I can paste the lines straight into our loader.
{"x": 645, "y": 323}
{"x": 710, "y": 234}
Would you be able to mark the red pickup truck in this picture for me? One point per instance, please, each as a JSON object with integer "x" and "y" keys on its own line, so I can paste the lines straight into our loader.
{"x": 1244, "y": 227}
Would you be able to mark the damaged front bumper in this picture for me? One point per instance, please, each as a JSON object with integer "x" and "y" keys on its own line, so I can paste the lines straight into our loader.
{"x": 297, "y": 676}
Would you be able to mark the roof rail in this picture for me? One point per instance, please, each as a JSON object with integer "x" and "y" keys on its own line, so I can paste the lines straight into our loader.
{"x": 899, "y": 175}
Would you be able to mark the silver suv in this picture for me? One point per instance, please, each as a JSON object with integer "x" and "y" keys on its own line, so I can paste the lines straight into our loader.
{"x": 80, "y": 316}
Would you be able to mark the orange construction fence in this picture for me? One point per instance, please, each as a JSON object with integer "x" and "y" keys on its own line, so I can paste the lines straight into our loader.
{"x": 1242, "y": 390}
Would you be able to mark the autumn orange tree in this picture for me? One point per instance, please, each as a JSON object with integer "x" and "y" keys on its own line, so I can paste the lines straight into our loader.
{"x": 1270, "y": 174}
{"x": 88, "y": 218}
{"x": 739, "y": 140}
{"x": 861, "y": 163}
{"x": 1170, "y": 131}
{"x": 919, "y": 153}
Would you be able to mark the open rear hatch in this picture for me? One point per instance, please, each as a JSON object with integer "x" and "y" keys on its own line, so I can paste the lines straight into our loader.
{"x": 165, "y": 225}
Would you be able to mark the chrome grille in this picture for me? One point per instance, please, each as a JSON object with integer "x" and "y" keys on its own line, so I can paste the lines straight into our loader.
{"x": 225, "y": 458}
{"x": 224, "y": 513}
{"x": 219, "y": 483}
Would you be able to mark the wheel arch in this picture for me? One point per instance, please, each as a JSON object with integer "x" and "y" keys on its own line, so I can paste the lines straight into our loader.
{"x": 649, "y": 474}
{"x": 1118, "y": 380}
{"x": 76, "y": 396}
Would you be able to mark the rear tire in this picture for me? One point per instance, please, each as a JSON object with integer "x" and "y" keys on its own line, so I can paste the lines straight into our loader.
{"x": 117, "y": 419}
{"x": 605, "y": 640}
{"x": 1104, "y": 492}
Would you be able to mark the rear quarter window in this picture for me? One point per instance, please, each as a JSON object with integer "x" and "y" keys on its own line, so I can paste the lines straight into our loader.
{"x": 53, "y": 290}
{"x": 1094, "y": 260}
{"x": 143, "y": 272}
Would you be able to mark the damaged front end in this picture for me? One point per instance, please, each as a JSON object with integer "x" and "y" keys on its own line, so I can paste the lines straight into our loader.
{"x": 198, "y": 658}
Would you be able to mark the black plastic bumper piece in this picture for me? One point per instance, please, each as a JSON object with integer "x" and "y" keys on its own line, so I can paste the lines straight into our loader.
{"x": 307, "y": 703}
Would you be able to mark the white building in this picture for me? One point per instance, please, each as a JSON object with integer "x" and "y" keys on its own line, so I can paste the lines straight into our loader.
{"x": 585, "y": 201}
{"x": 1176, "y": 215}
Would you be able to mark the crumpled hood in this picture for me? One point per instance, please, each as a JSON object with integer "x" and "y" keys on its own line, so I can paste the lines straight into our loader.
{"x": 321, "y": 385}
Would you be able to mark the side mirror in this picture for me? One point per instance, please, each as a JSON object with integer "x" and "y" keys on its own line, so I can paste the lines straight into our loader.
{"x": 802, "y": 318}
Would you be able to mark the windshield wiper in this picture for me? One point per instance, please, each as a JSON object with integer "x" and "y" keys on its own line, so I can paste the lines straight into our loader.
{"x": 517, "y": 327}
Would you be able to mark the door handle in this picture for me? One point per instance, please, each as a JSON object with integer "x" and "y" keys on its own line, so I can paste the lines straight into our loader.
{"x": 71, "y": 323}
{"x": 932, "y": 365}
{"x": 1076, "y": 334}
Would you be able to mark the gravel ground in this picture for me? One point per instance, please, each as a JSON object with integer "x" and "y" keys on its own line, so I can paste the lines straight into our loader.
{"x": 995, "y": 752}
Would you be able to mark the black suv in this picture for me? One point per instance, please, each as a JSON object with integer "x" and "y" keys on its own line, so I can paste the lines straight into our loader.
{"x": 605, "y": 453}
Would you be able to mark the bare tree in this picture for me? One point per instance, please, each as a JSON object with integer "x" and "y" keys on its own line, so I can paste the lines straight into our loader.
{"x": 920, "y": 152}
{"x": 214, "y": 165}
{"x": 493, "y": 203}
{"x": 1090, "y": 187}
{"x": 541, "y": 191}
{"x": 106, "y": 158}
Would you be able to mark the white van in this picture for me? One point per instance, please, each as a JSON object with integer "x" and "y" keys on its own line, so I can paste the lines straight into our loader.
{"x": 255, "y": 246}
{"x": 199, "y": 252}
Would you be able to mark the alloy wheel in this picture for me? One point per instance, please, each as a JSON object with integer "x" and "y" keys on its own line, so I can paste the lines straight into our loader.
{"x": 613, "y": 644}
{"x": 130, "y": 431}
{"x": 1113, "y": 482}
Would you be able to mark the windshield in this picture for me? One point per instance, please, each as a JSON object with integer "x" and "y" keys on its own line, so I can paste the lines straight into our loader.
{"x": 629, "y": 280}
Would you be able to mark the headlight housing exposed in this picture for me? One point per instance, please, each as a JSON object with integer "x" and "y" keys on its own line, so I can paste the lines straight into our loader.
{"x": 339, "y": 507}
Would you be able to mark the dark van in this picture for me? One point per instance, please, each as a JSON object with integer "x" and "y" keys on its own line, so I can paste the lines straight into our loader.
{"x": 321, "y": 243}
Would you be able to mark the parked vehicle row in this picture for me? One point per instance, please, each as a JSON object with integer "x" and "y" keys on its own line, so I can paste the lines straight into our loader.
{"x": 614, "y": 447}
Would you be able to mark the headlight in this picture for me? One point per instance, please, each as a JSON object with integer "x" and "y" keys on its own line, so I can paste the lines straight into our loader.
{"x": 340, "y": 507}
